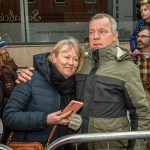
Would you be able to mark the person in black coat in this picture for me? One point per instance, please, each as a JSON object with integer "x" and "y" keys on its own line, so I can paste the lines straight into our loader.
{"x": 35, "y": 106}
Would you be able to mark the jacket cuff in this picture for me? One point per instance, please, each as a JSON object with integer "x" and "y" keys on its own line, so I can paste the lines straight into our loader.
{"x": 45, "y": 120}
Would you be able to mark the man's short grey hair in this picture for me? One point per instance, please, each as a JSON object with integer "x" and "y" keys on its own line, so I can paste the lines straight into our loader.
{"x": 110, "y": 18}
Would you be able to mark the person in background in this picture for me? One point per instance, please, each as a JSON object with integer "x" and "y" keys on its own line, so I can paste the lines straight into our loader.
{"x": 8, "y": 71}
{"x": 2, "y": 93}
{"x": 8, "y": 75}
{"x": 35, "y": 106}
{"x": 145, "y": 14}
{"x": 86, "y": 43}
{"x": 108, "y": 83}
{"x": 2, "y": 43}
{"x": 143, "y": 59}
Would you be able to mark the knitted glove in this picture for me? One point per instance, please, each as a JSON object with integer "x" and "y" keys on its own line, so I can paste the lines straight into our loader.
{"x": 75, "y": 122}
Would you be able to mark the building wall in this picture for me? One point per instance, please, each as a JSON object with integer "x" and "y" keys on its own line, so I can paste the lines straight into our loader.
{"x": 49, "y": 11}
{"x": 23, "y": 54}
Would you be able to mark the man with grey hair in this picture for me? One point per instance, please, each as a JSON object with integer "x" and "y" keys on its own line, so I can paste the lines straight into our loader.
{"x": 110, "y": 88}
{"x": 109, "y": 84}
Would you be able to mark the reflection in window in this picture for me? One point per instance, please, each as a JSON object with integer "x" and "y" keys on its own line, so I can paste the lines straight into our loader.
{"x": 48, "y": 22}
{"x": 60, "y": 1}
{"x": 90, "y": 1}
{"x": 31, "y": 1}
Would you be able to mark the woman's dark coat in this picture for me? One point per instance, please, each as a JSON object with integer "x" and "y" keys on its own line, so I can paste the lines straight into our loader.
{"x": 26, "y": 111}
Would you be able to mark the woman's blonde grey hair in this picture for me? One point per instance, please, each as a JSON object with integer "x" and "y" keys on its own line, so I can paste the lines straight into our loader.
{"x": 110, "y": 18}
{"x": 71, "y": 43}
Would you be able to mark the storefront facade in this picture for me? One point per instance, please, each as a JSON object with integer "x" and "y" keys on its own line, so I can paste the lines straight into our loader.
{"x": 47, "y": 21}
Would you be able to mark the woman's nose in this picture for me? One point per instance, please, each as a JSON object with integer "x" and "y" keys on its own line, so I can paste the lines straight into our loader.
{"x": 71, "y": 61}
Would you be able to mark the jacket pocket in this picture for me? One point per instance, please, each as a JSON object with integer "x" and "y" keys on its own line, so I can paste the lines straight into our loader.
{"x": 108, "y": 89}
{"x": 111, "y": 124}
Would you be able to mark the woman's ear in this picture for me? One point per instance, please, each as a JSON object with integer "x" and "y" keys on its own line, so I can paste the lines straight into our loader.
{"x": 53, "y": 57}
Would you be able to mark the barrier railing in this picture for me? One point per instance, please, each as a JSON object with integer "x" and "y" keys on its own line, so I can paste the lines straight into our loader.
{"x": 4, "y": 147}
{"x": 92, "y": 137}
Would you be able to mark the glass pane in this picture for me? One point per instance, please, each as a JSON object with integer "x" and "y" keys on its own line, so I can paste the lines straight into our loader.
{"x": 48, "y": 25}
{"x": 125, "y": 19}
{"x": 46, "y": 21}
{"x": 10, "y": 22}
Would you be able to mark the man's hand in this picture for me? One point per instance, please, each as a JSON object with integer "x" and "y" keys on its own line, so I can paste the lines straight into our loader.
{"x": 25, "y": 75}
{"x": 75, "y": 122}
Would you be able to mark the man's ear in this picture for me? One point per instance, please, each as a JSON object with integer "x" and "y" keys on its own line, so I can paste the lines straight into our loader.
{"x": 115, "y": 36}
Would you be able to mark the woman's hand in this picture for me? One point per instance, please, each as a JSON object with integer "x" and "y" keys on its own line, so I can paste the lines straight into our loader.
{"x": 58, "y": 118}
{"x": 25, "y": 75}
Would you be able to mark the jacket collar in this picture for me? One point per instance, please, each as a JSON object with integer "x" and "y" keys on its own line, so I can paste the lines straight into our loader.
{"x": 114, "y": 52}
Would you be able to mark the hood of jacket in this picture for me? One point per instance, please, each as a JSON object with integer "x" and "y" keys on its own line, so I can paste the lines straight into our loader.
{"x": 114, "y": 52}
{"x": 41, "y": 63}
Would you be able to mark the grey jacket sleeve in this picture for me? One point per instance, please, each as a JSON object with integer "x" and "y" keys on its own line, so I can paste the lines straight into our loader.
{"x": 139, "y": 113}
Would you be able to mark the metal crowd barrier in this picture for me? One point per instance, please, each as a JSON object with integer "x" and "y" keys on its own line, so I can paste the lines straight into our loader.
{"x": 4, "y": 147}
{"x": 92, "y": 137}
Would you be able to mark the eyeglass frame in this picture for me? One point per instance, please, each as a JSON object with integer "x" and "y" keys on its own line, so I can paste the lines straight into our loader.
{"x": 142, "y": 36}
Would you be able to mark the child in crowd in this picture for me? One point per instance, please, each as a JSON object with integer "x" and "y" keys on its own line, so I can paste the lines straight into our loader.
{"x": 8, "y": 69}
{"x": 145, "y": 14}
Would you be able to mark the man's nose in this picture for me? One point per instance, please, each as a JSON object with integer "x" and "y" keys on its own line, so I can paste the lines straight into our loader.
{"x": 96, "y": 35}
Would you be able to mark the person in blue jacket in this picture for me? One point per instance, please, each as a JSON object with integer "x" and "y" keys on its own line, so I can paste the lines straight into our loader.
{"x": 145, "y": 14}
{"x": 36, "y": 105}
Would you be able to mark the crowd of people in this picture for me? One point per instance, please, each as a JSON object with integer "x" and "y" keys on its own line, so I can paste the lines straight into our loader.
{"x": 113, "y": 84}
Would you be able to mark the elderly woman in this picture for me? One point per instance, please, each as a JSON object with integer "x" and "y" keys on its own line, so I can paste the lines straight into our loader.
{"x": 35, "y": 106}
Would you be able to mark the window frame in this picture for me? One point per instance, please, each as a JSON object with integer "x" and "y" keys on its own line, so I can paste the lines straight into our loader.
{"x": 92, "y": 2}
{"x": 60, "y": 2}
{"x": 34, "y": 1}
